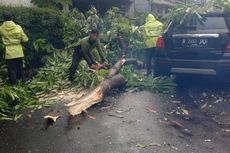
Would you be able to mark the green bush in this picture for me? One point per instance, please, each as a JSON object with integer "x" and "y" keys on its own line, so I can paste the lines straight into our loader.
{"x": 38, "y": 23}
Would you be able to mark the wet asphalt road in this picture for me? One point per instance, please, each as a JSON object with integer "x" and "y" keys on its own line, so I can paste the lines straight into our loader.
{"x": 140, "y": 122}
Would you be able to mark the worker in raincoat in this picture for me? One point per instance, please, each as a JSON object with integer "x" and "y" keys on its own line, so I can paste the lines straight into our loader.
{"x": 83, "y": 50}
{"x": 13, "y": 38}
{"x": 152, "y": 30}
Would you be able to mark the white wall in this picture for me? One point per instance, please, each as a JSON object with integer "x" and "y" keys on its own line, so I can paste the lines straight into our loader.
{"x": 16, "y": 2}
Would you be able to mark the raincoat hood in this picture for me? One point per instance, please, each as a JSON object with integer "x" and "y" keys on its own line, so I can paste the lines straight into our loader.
{"x": 9, "y": 25}
{"x": 150, "y": 18}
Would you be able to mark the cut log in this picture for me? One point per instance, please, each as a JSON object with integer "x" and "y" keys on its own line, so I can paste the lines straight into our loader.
{"x": 133, "y": 61}
{"x": 96, "y": 95}
{"x": 115, "y": 69}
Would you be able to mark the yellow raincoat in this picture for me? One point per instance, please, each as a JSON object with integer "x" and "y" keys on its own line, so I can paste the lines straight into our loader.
{"x": 152, "y": 29}
{"x": 12, "y": 37}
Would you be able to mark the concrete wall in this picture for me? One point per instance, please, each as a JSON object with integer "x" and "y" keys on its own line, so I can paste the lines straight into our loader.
{"x": 141, "y": 5}
{"x": 16, "y": 2}
{"x": 130, "y": 11}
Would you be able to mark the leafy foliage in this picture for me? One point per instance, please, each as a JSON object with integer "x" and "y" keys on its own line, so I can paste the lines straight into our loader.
{"x": 222, "y": 3}
{"x": 15, "y": 98}
{"x": 138, "y": 81}
{"x": 88, "y": 78}
{"x": 76, "y": 27}
{"x": 93, "y": 19}
{"x": 187, "y": 13}
{"x": 51, "y": 3}
{"x": 50, "y": 78}
{"x": 53, "y": 75}
{"x": 116, "y": 25}
{"x": 2, "y": 72}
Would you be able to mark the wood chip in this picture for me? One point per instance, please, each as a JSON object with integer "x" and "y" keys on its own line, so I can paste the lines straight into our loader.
{"x": 151, "y": 110}
{"x": 91, "y": 117}
{"x": 226, "y": 130}
{"x": 176, "y": 102}
{"x": 208, "y": 140}
{"x": 177, "y": 124}
{"x": 118, "y": 116}
{"x": 105, "y": 108}
{"x": 118, "y": 111}
{"x": 185, "y": 111}
{"x": 154, "y": 144}
{"x": 53, "y": 118}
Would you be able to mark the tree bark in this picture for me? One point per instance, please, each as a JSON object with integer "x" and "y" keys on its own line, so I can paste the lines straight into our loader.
{"x": 95, "y": 96}
{"x": 113, "y": 80}
{"x": 115, "y": 69}
{"x": 133, "y": 61}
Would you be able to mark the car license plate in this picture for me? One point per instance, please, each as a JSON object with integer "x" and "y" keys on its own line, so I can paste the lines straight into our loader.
{"x": 194, "y": 42}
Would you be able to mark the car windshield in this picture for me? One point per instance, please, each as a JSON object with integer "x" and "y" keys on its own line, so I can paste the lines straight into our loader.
{"x": 209, "y": 23}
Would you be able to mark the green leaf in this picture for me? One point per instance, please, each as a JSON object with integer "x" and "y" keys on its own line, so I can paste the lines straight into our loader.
{"x": 141, "y": 146}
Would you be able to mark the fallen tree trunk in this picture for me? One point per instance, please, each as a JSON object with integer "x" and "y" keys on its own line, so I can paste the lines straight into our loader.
{"x": 95, "y": 95}
{"x": 115, "y": 69}
{"x": 113, "y": 80}
{"x": 133, "y": 61}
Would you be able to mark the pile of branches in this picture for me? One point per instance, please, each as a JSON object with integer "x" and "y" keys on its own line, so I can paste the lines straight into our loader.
{"x": 188, "y": 12}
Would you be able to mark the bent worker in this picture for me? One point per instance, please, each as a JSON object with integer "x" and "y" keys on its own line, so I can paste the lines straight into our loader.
{"x": 13, "y": 38}
{"x": 152, "y": 30}
{"x": 83, "y": 51}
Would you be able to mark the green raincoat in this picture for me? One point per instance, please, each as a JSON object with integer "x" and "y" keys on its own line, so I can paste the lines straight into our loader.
{"x": 152, "y": 29}
{"x": 12, "y": 37}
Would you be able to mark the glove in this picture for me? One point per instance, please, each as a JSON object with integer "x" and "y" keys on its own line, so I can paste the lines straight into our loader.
{"x": 93, "y": 66}
{"x": 97, "y": 66}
